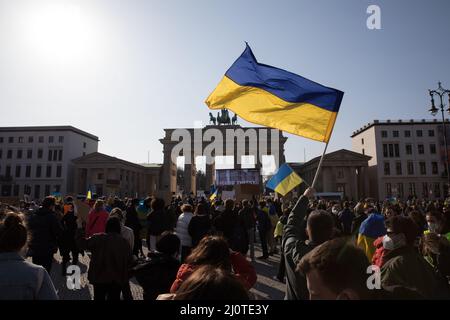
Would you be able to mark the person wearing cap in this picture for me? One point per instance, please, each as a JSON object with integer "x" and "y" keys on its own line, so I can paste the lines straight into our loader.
{"x": 404, "y": 266}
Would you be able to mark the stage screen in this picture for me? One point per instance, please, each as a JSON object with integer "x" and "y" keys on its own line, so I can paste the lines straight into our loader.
{"x": 230, "y": 177}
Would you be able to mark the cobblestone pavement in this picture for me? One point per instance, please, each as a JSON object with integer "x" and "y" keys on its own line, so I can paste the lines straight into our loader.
{"x": 265, "y": 288}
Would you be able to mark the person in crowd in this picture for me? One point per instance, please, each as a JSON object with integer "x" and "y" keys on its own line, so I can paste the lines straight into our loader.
{"x": 273, "y": 216}
{"x": 360, "y": 216}
{"x": 436, "y": 223}
{"x": 278, "y": 234}
{"x": 404, "y": 266}
{"x": 68, "y": 243}
{"x": 226, "y": 221}
{"x": 371, "y": 228}
{"x": 345, "y": 218}
{"x": 132, "y": 222}
{"x": 212, "y": 283}
{"x": 264, "y": 224}
{"x": 319, "y": 228}
{"x": 126, "y": 232}
{"x": 436, "y": 250}
{"x": 110, "y": 261}
{"x": 20, "y": 279}
{"x": 214, "y": 251}
{"x": 182, "y": 230}
{"x": 96, "y": 221}
{"x": 337, "y": 270}
{"x": 46, "y": 232}
{"x": 143, "y": 210}
{"x": 247, "y": 217}
{"x": 200, "y": 224}
{"x": 158, "y": 222}
{"x": 419, "y": 220}
{"x": 157, "y": 274}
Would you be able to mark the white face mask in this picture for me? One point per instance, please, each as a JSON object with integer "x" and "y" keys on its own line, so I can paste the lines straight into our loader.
{"x": 394, "y": 241}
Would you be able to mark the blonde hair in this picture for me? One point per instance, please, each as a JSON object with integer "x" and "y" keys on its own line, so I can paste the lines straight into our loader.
{"x": 99, "y": 204}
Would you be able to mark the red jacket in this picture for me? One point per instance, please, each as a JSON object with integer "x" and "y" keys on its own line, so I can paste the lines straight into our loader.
{"x": 96, "y": 222}
{"x": 243, "y": 270}
{"x": 379, "y": 257}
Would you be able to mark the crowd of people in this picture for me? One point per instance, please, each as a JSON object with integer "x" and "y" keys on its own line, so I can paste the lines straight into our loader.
{"x": 199, "y": 249}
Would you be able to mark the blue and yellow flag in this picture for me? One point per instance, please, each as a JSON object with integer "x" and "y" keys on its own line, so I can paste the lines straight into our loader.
{"x": 284, "y": 180}
{"x": 277, "y": 98}
{"x": 214, "y": 194}
{"x": 370, "y": 229}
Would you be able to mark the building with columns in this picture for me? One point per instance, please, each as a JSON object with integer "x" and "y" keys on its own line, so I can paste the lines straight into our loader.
{"x": 342, "y": 171}
{"x": 110, "y": 176}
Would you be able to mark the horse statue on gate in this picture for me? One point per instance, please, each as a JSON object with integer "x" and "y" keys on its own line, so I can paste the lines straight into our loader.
{"x": 212, "y": 119}
{"x": 234, "y": 119}
{"x": 223, "y": 117}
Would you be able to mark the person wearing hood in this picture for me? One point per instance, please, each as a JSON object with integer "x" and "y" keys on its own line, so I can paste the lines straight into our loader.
{"x": 46, "y": 232}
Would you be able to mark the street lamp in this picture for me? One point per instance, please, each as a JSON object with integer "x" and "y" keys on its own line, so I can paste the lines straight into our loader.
{"x": 441, "y": 92}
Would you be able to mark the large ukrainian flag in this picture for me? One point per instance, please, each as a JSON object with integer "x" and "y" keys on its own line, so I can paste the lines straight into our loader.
{"x": 284, "y": 180}
{"x": 277, "y": 98}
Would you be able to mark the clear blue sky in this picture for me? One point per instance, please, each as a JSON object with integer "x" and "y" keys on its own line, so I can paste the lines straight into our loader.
{"x": 124, "y": 70}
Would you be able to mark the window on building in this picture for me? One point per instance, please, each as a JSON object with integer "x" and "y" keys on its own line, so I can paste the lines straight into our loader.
{"x": 16, "y": 190}
{"x": 423, "y": 168}
{"x": 1, "y": 153}
{"x": 385, "y": 150}
{"x": 431, "y": 133}
{"x": 11, "y": 140}
{"x": 41, "y": 139}
{"x": 58, "y": 171}
{"x": 9, "y": 154}
{"x": 55, "y": 155}
{"x": 84, "y": 153}
{"x": 398, "y": 168}
{"x": 19, "y": 154}
{"x": 420, "y": 149}
{"x": 437, "y": 190}
{"x": 395, "y": 134}
{"x": 1, "y": 139}
{"x": 18, "y": 171}
{"x": 50, "y": 153}
{"x": 407, "y": 133}
{"x": 30, "y": 139}
{"x": 363, "y": 151}
{"x": 410, "y": 167}
{"x": 47, "y": 190}
{"x": 28, "y": 171}
{"x": 400, "y": 190}
{"x": 29, "y": 153}
{"x": 61, "y": 139}
{"x": 434, "y": 168}
{"x": 425, "y": 189}
{"x": 412, "y": 189}
{"x": 27, "y": 189}
{"x": 50, "y": 139}
{"x": 396, "y": 150}
{"x": 21, "y": 139}
{"x": 384, "y": 134}
{"x": 60, "y": 154}
{"x": 391, "y": 150}
{"x": 48, "y": 172}
{"x": 387, "y": 169}
{"x": 38, "y": 171}
{"x": 8, "y": 171}
{"x": 408, "y": 149}
{"x": 362, "y": 141}
{"x": 388, "y": 189}
{"x": 40, "y": 153}
{"x": 100, "y": 176}
{"x": 432, "y": 148}
{"x": 57, "y": 188}
{"x": 37, "y": 191}
{"x": 84, "y": 145}
{"x": 419, "y": 133}
{"x": 341, "y": 188}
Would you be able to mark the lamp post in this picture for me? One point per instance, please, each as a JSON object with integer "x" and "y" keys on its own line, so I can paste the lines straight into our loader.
{"x": 441, "y": 92}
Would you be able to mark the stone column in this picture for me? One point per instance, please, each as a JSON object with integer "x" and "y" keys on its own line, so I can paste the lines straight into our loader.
{"x": 189, "y": 179}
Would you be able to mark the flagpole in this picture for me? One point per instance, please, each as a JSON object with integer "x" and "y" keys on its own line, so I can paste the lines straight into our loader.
{"x": 316, "y": 175}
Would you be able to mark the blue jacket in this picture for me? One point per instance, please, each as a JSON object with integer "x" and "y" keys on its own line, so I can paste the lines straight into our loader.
{"x": 22, "y": 280}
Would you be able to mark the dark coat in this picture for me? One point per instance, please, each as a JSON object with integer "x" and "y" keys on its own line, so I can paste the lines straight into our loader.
{"x": 132, "y": 220}
{"x": 294, "y": 247}
{"x": 111, "y": 259}
{"x": 69, "y": 227}
{"x": 158, "y": 222}
{"x": 199, "y": 226}
{"x": 156, "y": 275}
{"x": 248, "y": 218}
{"x": 46, "y": 232}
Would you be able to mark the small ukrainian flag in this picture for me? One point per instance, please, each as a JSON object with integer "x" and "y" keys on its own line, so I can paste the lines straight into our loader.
{"x": 89, "y": 195}
{"x": 214, "y": 195}
{"x": 284, "y": 180}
